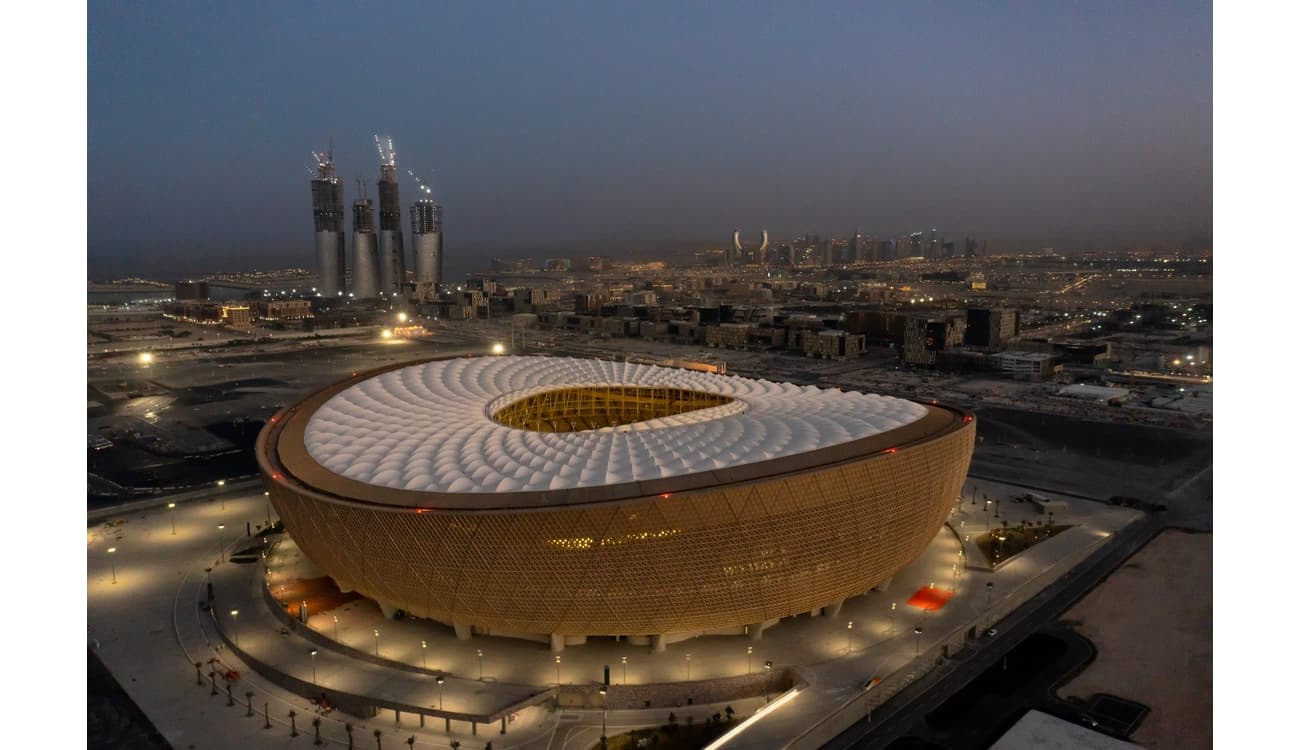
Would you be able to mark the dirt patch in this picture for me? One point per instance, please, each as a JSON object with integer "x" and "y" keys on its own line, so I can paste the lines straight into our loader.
{"x": 1152, "y": 623}
{"x": 320, "y": 594}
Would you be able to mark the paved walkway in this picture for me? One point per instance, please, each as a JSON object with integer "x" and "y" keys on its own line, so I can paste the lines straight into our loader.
{"x": 149, "y": 634}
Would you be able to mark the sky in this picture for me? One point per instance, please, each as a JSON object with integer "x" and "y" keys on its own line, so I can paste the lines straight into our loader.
{"x": 622, "y": 127}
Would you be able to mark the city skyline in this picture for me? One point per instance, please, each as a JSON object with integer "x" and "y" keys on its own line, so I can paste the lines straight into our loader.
{"x": 1014, "y": 126}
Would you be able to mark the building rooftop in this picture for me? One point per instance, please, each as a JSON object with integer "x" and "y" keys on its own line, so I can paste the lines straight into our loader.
{"x": 433, "y": 427}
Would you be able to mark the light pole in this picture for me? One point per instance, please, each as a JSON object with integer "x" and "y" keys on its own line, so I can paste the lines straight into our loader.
{"x": 221, "y": 541}
{"x": 112, "y": 563}
{"x": 234, "y": 615}
{"x": 441, "y": 680}
{"x": 987, "y": 503}
{"x": 917, "y": 630}
{"x": 688, "y": 666}
{"x": 313, "y": 666}
{"x": 603, "y": 712}
{"x": 624, "y": 670}
{"x": 850, "y": 638}
{"x": 172, "y": 507}
{"x": 336, "y": 628}
{"x": 222, "y": 483}
{"x": 988, "y": 604}
{"x": 267, "y": 495}
{"x": 557, "y": 671}
{"x": 892, "y": 607}
{"x": 480, "y": 665}
{"x": 424, "y": 654}
{"x": 767, "y": 667}
{"x": 376, "y": 632}
{"x": 749, "y": 659}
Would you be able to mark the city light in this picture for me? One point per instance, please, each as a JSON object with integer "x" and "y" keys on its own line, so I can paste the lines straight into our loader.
{"x": 146, "y": 358}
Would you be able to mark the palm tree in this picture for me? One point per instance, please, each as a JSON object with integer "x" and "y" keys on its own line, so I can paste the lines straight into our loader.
{"x": 378, "y": 737}
{"x": 293, "y": 725}
{"x": 198, "y": 672}
{"x": 410, "y": 741}
{"x": 730, "y": 712}
{"x": 455, "y": 744}
{"x": 348, "y": 728}
{"x": 315, "y": 724}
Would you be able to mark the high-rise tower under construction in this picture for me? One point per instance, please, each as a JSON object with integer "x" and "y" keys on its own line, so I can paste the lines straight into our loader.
{"x": 327, "y": 209}
{"x": 392, "y": 255}
{"x": 426, "y": 239}
{"x": 365, "y": 269}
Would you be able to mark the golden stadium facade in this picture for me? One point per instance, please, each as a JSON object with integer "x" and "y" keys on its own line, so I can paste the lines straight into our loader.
{"x": 561, "y": 498}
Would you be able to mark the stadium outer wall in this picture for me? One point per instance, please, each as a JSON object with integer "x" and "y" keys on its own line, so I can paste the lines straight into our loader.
{"x": 715, "y": 558}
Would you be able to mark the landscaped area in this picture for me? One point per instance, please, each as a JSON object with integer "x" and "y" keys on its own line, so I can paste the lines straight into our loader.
{"x": 674, "y": 736}
{"x": 1000, "y": 545}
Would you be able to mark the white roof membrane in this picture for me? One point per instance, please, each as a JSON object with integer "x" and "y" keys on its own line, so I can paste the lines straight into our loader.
{"x": 428, "y": 427}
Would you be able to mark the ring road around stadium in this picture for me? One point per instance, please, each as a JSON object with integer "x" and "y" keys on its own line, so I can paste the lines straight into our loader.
{"x": 556, "y": 498}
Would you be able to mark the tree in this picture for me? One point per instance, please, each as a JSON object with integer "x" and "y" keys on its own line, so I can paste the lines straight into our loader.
{"x": 378, "y": 738}
{"x": 315, "y": 724}
{"x": 347, "y": 727}
{"x": 730, "y": 713}
{"x": 455, "y": 744}
{"x": 293, "y": 725}
{"x": 410, "y": 741}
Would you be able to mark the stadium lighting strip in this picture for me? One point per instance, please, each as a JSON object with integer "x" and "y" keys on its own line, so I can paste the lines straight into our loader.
{"x": 760, "y": 713}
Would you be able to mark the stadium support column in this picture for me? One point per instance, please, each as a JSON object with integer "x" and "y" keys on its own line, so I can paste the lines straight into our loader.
{"x": 463, "y": 632}
{"x": 557, "y": 643}
{"x": 755, "y": 630}
{"x": 658, "y": 643}
{"x": 833, "y": 610}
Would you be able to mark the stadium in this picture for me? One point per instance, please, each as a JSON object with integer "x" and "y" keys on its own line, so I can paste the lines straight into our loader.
{"x": 555, "y": 499}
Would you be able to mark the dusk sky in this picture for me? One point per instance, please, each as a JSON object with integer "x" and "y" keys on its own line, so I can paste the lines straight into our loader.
{"x": 616, "y": 126}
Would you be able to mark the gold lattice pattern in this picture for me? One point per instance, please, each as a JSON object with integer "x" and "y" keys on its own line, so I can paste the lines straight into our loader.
{"x": 678, "y": 562}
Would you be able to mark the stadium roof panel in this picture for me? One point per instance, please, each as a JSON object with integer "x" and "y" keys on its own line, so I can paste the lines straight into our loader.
{"x": 429, "y": 427}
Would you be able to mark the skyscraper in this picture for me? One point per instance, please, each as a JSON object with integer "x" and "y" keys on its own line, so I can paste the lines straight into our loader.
{"x": 914, "y": 247}
{"x": 327, "y": 210}
{"x": 365, "y": 268}
{"x": 426, "y": 239}
{"x": 392, "y": 253}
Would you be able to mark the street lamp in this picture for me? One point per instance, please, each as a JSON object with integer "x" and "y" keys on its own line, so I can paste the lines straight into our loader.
{"x": 917, "y": 630}
{"x": 480, "y": 665}
{"x": 749, "y": 659}
{"x": 234, "y": 615}
{"x": 336, "y": 628}
{"x": 221, "y": 541}
{"x": 112, "y": 563}
{"x": 557, "y": 670}
{"x": 767, "y": 667}
{"x": 424, "y": 654}
{"x": 376, "y": 632}
{"x": 313, "y": 666}
{"x": 688, "y": 666}
{"x": 892, "y": 607}
{"x": 624, "y": 670}
{"x": 850, "y": 637}
{"x": 222, "y": 483}
{"x": 172, "y": 508}
{"x": 989, "y": 603}
{"x": 603, "y": 711}
{"x": 441, "y": 680}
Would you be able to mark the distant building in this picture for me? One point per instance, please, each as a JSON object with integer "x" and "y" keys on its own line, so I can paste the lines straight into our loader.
{"x": 188, "y": 290}
{"x": 237, "y": 316}
{"x": 924, "y": 337}
{"x": 915, "y": 247}
{"x": 834, "y": 344}
{"x": 990, "y": 328}
{"x": 194, "y": 311}
{"x": 1032, "y": 366}
{"x": 287, "y": 309}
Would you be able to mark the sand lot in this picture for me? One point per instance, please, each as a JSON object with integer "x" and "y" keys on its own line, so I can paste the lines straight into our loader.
{"x": 1153, "y": 627}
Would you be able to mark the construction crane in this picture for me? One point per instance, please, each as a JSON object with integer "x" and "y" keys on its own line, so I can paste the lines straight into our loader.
{"x": 387, "y": 154}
